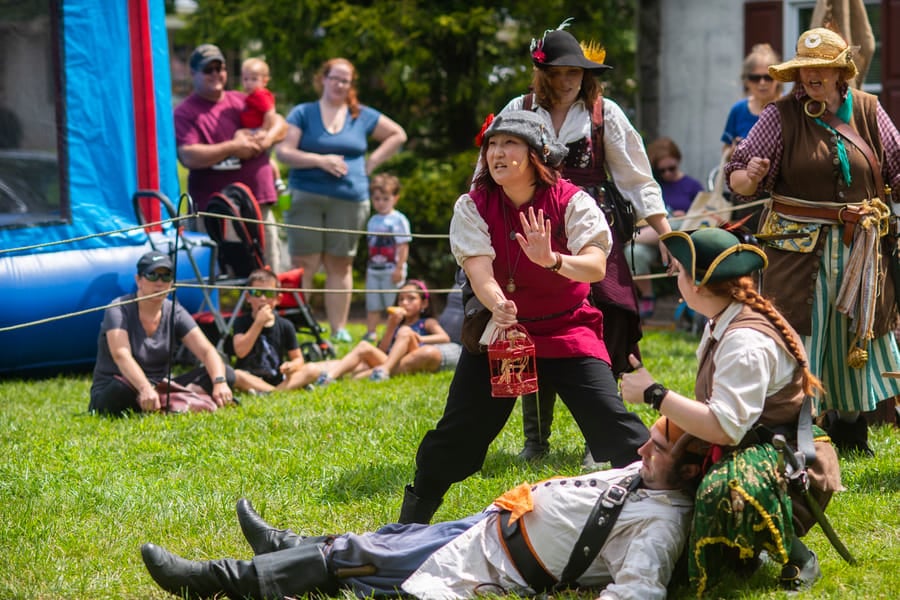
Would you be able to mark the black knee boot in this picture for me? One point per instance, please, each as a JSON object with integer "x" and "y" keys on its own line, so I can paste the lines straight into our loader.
{"x": 235, "y": 578}
{"x": 537, "y": 420}
{"x": 847, "y": 436}
{"x": 264, "y": 538}
{"x": 416, "y": 509}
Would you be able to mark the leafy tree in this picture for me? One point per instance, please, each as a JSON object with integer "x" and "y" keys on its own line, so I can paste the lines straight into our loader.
{"x": 435, "y": 67}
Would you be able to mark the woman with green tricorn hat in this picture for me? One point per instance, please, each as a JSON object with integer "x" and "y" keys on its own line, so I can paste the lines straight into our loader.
{"x": 752, "y": 379}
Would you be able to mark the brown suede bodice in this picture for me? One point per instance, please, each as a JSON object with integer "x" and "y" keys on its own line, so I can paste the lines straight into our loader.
{"x": 808, "y": 172}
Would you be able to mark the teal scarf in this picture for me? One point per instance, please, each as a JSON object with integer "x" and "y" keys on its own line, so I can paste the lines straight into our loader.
{"x": 843, "y": 113}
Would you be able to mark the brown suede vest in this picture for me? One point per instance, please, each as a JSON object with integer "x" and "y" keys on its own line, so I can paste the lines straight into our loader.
{"x": 781, "y": 408}
{"x": 808, "y": 172}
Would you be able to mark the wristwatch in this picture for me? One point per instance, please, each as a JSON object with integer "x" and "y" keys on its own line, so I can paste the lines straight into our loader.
{"x": 654, "y": 395}
{"x": 219, "y": 379}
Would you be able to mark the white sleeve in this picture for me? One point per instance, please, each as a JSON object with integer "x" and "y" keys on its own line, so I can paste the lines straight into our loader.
{"x": 469, "y": 234}
{"x": 628, "y": 164}
{"x": 645, "y": 555}
{"x": 585, "y": 224}
{"x": 749, "y": 367}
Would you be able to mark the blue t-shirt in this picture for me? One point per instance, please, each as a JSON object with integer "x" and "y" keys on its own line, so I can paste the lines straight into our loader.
{"x": 351, "y": 142}
{"x": 740, "y": 121}
{"x": 383, "y": 248}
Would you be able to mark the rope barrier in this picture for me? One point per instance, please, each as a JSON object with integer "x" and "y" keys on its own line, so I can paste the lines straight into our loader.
{"x": 305, "y": 291}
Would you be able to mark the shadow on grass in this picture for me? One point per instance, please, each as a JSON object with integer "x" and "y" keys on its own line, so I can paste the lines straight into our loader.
{"x": 369, "y": 480}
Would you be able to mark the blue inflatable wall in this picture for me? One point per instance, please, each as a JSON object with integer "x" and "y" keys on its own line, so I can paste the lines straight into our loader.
{"x": 102, "y": 176}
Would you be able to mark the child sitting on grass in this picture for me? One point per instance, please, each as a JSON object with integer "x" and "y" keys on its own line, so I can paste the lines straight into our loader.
{"x": 410, "y": 324}
{"x": 263, "y": 338}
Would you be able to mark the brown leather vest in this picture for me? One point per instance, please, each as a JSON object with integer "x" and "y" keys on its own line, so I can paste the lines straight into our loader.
{"x": 780, "y": 408}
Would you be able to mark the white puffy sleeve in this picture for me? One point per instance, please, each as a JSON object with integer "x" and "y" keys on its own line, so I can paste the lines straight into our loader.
{"x": 628, "y": 164}
{"x": 469, "y": 234}
{"x": 585, "y": 224}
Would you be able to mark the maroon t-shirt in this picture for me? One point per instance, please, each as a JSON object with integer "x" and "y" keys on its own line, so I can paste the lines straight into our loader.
{"x": 201, "y": 121}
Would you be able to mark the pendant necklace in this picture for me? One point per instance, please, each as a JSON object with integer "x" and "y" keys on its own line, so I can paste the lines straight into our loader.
{"x": 511, "y": 269}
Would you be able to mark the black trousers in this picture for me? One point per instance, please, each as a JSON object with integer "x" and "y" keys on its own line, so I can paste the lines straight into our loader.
{"x": 116, "y": 397}
{"x": 457, "y": 446}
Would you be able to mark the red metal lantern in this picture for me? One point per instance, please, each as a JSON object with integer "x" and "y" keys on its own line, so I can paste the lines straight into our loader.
{"x": 513, "y": 369}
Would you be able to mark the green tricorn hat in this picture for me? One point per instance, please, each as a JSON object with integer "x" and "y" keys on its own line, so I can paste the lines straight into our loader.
{"x": 712, "y": 254}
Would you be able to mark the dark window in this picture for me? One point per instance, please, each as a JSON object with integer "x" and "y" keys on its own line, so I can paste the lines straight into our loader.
{"x": 32, "y": 156}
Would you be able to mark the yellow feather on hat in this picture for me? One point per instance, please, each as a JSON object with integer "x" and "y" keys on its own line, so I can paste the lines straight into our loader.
{"x": 593, "y": 51}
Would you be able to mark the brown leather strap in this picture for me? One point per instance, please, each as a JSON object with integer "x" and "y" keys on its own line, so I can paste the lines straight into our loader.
{"x": 848, "y": 132}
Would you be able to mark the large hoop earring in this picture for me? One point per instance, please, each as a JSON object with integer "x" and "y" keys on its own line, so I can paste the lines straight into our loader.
{"x": 811, "y": 114}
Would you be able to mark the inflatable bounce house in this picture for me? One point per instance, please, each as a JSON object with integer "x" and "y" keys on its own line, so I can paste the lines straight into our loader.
{"x": 85, "y": 123}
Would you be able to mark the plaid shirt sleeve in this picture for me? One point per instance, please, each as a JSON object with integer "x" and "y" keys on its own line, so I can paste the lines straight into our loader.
{"x": 890, "y": 142}
{"x": 763, "y": 141}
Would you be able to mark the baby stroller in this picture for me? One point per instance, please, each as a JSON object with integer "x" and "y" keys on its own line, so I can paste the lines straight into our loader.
{"x": 241, "y": 250}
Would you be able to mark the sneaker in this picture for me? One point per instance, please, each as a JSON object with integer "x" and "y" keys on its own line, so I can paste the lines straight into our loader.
{"x": 795, "y": 579}
{"x": 341, "y": 335}
{"x": 280, "y": 186}
{"x": 370, "y": 337}
{"x": 324, "y": 379}
{"x": 379, "y": 374}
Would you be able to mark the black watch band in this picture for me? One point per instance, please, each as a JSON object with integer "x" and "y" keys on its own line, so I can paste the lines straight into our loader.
{"x": 654, "y": 395}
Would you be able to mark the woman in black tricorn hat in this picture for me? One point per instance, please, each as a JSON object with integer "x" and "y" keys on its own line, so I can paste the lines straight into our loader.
{"x": 568, "y": 96}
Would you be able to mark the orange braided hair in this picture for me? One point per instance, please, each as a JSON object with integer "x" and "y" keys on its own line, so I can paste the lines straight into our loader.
{"x": 743, "y": 289}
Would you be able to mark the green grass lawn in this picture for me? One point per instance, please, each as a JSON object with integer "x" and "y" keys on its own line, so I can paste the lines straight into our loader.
{"x": 80, "y": 494}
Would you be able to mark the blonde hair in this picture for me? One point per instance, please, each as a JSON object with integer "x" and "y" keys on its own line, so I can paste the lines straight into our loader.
{"x": 256, "y": 65}
{"x": 761, "y": 55}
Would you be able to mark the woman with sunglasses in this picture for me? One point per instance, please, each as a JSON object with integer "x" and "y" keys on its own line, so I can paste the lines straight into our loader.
{"x": 134, "y": 349}
{"x": 760, "y": 89}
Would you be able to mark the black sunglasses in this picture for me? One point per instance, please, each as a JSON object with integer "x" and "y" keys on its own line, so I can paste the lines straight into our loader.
{"x": 210, "y": 69}
{"x": 757, "y": 78}
{"x": 156, "y": 276}
{"x": 263, "y": 293}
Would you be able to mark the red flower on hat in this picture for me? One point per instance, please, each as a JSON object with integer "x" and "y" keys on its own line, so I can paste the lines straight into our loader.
{"x": 479, "y": 139}
{"x": 538, "y": 55}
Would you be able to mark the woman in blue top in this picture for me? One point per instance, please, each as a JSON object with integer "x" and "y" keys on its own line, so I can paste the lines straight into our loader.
{"x": 325, "y": 149}
{"x": 760, "y": 89}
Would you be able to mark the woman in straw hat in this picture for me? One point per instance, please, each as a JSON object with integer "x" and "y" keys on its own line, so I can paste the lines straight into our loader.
{"x": 568, "y": 97}
{"x": 825, "y": 152}
{"x": 531, "y": 243}
{"x": 751, "y": 383}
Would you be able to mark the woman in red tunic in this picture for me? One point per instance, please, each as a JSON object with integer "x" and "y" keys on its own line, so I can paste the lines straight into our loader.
{"x": 531, "y": 244}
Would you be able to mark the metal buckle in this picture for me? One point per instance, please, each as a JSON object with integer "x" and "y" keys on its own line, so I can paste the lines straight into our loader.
{"x": 614, "y": 495}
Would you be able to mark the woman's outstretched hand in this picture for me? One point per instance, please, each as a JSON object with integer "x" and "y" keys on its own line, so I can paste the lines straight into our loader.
{"x": 536, "y": 241}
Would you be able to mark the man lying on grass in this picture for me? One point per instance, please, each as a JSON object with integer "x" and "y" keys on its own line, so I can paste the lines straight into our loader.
{"x": 521, "y": 543}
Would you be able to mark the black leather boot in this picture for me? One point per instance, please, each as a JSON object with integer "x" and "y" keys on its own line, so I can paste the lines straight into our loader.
{"x": 417, "y": 510}
{"x": 264, "y": 538}
{"x": 235, "y": 578}
{"x": 847, "y": 436}
{"x": 537, "y": 420}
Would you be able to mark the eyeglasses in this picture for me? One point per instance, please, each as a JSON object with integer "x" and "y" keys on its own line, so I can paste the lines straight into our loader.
{"x": 339, "y": 80}
{"x": 757, "y": 78}
{"x": 671, "y": 169}
{"x": 210, "y": 69}
{"x": 263, "y": 293}
{"x": 166, "y": 276}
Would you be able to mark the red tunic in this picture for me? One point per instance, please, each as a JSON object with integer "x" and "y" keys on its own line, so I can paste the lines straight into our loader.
{"x": 553, "y": 309}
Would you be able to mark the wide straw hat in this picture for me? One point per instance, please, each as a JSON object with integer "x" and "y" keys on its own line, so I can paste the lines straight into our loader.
{"x": 819, "y": 47}
{"x": 559, "y": 48}
{"x": 712, "y": 254}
